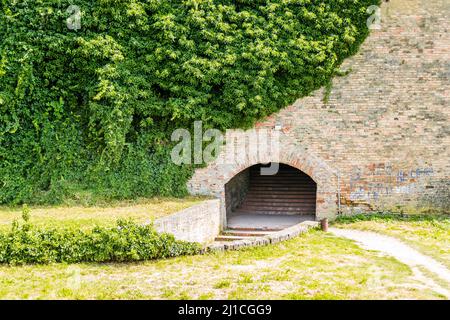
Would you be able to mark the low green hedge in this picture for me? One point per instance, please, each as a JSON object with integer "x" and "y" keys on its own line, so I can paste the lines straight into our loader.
{"x": 127, "y": 241}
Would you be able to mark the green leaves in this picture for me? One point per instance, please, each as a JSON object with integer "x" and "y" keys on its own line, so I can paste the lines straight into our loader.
{"x": 75, "y": 102}
{"x": 127, "y": 241}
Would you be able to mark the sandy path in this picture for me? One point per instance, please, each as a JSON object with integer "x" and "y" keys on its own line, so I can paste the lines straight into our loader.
{"x": 402, "y": 252}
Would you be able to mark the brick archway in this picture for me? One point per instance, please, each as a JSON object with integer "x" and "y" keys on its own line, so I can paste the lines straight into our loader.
{"x": 211, "y": 180}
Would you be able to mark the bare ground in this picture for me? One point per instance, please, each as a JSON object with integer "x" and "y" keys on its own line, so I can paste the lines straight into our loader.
{"x": 402, "y": 252}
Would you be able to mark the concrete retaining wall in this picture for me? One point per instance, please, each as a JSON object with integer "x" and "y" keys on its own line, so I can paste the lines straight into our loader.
{"x": 200, "y": 223}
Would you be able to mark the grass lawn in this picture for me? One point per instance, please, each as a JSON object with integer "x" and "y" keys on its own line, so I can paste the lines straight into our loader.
{"x": 140, "y": 210}
{"x": 429, "y": 234}
{"x": 315, "y": 265}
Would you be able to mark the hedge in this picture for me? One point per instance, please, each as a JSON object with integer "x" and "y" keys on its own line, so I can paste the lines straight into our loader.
{"x": 127, "y": 241}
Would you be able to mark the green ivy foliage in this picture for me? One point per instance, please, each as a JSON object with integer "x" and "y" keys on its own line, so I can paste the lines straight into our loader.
{"x": 93, "y": 109}
{"x": 128, "y": 241}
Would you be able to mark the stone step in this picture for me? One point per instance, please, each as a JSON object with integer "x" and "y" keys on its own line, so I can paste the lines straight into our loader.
{"x": 228, "y": 238}
{"x": 300, "y": 213}
{"x": 280, "y": 193}
{"x": 281, "y": 188}
{"x": 288, "y": 207}
{"x": 291, "y": 179}
{"x": 245, "y": 233}
{"x": 281, "y": 182}
{"x": 277, "y": 201}
{"x": 254, "y": 229}
{"x": 268, "y": 195}
{"x": 289, "y": 192}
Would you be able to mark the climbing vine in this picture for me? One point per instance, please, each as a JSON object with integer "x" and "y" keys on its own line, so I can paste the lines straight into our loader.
{"x": 90, "y": 109}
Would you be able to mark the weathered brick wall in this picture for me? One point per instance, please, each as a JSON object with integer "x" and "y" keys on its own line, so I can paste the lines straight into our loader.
{"x": 200, "y": 223}
{"x": 236, "y": 189}
{"x": 385, "y": 129}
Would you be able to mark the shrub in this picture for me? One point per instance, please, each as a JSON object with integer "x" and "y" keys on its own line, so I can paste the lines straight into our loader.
{"x": 93, "y": 109}
{"x": 128, "y": 241}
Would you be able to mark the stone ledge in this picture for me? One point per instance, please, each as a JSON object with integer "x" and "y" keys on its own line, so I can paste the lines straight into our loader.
{"x": 273, "y": 238}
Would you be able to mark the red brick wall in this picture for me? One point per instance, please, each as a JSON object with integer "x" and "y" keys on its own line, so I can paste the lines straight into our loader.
{"x": 386, "y": 125}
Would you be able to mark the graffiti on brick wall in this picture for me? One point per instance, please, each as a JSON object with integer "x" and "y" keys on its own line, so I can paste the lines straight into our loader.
{"x": 377, "y": 180}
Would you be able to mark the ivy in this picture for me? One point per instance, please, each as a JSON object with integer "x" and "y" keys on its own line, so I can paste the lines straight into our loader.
{"x": 93, "y": 108}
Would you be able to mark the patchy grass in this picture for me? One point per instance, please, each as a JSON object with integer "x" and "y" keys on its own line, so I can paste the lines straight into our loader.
{"x": 140, "y": 210}
{"x": 315, "y": 265}
{"x": 429, "y": 234}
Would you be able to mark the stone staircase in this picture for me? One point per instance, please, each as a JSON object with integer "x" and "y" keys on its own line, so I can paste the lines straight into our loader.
{"x": 236, "y": 238}
{"x": 275, "y": 208}
{"x": 290, "y": 192}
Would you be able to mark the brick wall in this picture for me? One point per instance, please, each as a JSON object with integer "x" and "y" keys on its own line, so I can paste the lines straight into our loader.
{"x": 236, "y": 189}
{"x": 382, "y": 140}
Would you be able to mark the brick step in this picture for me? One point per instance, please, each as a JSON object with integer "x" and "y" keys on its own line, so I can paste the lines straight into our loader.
{"x": 281, "y": 177}
{"x": 262, "y": 211}
{"x": 280, "y": 195}
{"x": 281, "y": 182}
{"x": 281, "y": 189}
{"x": 278, "y": 202}
{"x": 282, "y": 185}
{"x": 270, "y": 196}
{"x": 276, "y": 197}
{"x": 282, "y": 206}
{"x": 284, "y": 195}
{"x": 275, "y": 213}
{"x": 257, "y": 173}
{"x": 279, "y": 174}
{"x": 276, "y": 210}
{"x": 289, "y": 191}
{"x": 286, "y": 207}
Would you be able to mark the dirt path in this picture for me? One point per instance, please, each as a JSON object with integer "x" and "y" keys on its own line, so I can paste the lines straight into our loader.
{"x": 403, "y": 253}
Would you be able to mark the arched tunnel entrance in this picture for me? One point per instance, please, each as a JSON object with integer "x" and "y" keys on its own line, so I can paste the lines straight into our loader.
{"x": 255, "y": 200}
